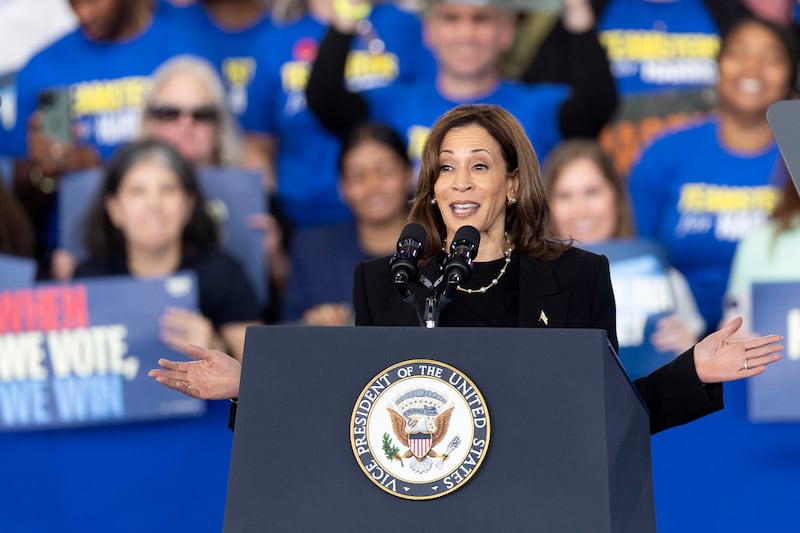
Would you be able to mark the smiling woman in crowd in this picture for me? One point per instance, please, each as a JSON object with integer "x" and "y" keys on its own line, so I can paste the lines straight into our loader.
{"x": 479, "y": 169}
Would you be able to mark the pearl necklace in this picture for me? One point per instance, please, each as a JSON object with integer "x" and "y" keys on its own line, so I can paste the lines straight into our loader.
{"x": 496, "y": 279}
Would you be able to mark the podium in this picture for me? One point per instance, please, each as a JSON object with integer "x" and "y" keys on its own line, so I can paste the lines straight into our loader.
{"x": 569, "y": 448}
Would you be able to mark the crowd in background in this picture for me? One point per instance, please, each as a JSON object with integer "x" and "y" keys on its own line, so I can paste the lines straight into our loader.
{"x": 330, "y": 102}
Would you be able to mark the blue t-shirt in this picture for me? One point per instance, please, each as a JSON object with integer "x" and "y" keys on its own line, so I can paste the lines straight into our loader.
{"x": 658, "y": 46}
{"x": 412, "y": 108}
{"x": 699, "y": 199}
{"x": 232, "y": 52}
{"x": 107, "y": 83}
{"x": 323, "y": 262}
{"x": 307, "y": 154}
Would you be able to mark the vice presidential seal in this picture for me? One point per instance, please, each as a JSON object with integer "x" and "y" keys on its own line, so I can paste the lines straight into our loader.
{"x": 420, "y": 429}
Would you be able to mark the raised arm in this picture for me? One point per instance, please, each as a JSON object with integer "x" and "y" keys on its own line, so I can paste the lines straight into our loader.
{"x": 337, "y": 108}
{"x": 571, "y": 54}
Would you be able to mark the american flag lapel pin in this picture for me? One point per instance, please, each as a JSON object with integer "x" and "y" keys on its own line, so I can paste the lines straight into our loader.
{"x": 543, "y": 317}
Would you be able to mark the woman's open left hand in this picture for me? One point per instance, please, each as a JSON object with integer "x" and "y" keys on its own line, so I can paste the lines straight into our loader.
{"x": 718, "y": 359}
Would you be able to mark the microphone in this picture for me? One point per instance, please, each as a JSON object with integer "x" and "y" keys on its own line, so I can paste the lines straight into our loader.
{"x": 403, "y": 265}
{"x": 458, "y": 265}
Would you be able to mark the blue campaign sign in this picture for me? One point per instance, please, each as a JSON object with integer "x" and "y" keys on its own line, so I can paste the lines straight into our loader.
{"x": 643, "y": 294}
{"x": 772, "y": 396}
{"x": 233, "y": 197}
{"x": 78, "y": 354}
{"x": 16, "y": 272}
{"x": 76, "y": 194}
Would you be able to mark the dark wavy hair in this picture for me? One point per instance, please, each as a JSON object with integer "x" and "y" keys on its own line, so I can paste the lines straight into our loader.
{"x": 378, "y": 132}
{"x": 527, "y": 221}
{"x": 106, "y": 243}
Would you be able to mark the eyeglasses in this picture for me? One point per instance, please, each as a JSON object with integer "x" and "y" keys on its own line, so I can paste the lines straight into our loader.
{"x": 171, "y": 113}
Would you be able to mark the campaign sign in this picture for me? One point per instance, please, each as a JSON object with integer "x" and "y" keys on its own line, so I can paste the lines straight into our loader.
{"x": 78, "y": 354}
{"x": 16, "y": 272}
{"x": 232, "y": 197}
{"x": 772, "y": 396}
{"x": 643, "y": 295}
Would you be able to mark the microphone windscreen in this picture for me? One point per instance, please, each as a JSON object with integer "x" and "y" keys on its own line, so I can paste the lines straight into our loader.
{"x": 469, "y": 234}
{"x": 414, "y": 231}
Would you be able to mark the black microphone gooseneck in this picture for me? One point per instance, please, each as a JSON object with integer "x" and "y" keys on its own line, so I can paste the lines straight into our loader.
{"x": 456, "y": 269}
{"x": 403, "y": 265}
{"x": 458, "y": 265}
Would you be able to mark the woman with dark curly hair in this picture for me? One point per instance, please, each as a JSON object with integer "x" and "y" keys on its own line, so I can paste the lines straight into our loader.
{"x": 148, "y": 221}
{"x": 479, "y": 169}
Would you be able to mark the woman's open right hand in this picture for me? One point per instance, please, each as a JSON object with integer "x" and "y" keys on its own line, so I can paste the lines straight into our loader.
{"x": 213, "y": 376}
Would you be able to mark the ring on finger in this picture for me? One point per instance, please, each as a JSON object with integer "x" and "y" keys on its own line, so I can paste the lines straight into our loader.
{"x": 745, "y": 365}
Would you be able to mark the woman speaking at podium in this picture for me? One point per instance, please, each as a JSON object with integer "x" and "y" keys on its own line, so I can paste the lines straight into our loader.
{"x": 479, "y": 169}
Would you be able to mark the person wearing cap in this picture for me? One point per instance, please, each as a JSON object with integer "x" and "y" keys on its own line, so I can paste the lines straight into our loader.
{"x": 468, "y": 39}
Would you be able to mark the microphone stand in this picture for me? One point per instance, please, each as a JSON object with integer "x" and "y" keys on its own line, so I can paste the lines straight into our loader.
{"x": 453, "y": 281}
{"x": 401, "y": 282}
{"x": 457, "y": 270}
{"x": 437, "y": 301}
{"x": 431, "y": 310}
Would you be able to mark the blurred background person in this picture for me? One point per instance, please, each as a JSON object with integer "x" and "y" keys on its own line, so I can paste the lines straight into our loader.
{"x": 701, "y": 189}
{"x": 770, "y": 253}
{"x": 148, "y": 221}
{"x": 376, "y": 183}
{"x": 226, "y": 33}
{"x": 187, "y": 107}
{"x": 90, "y": 84}
{"x": 663, "y": 58}
{"x": 283, "y": 136}
{"x": 468, "y": 38}
{"x": 589, "y": 204}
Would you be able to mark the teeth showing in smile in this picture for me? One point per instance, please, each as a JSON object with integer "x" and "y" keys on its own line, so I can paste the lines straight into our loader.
{"x": 750, "y": 85}
{"x": 584, "y": 225}
{"x": 464, "y": 209}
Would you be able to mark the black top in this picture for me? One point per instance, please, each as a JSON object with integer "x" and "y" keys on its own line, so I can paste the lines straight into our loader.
{"x": 497, "y": 307}
{"x": 225, "y": 293}
{"x": 571, "y": 291}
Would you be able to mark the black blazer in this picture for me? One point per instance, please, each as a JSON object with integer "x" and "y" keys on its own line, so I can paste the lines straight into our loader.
{"x": 574, "y": 291}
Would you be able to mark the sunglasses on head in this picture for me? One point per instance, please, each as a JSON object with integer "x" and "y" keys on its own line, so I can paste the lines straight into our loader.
{"x": 171, "y": 113}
